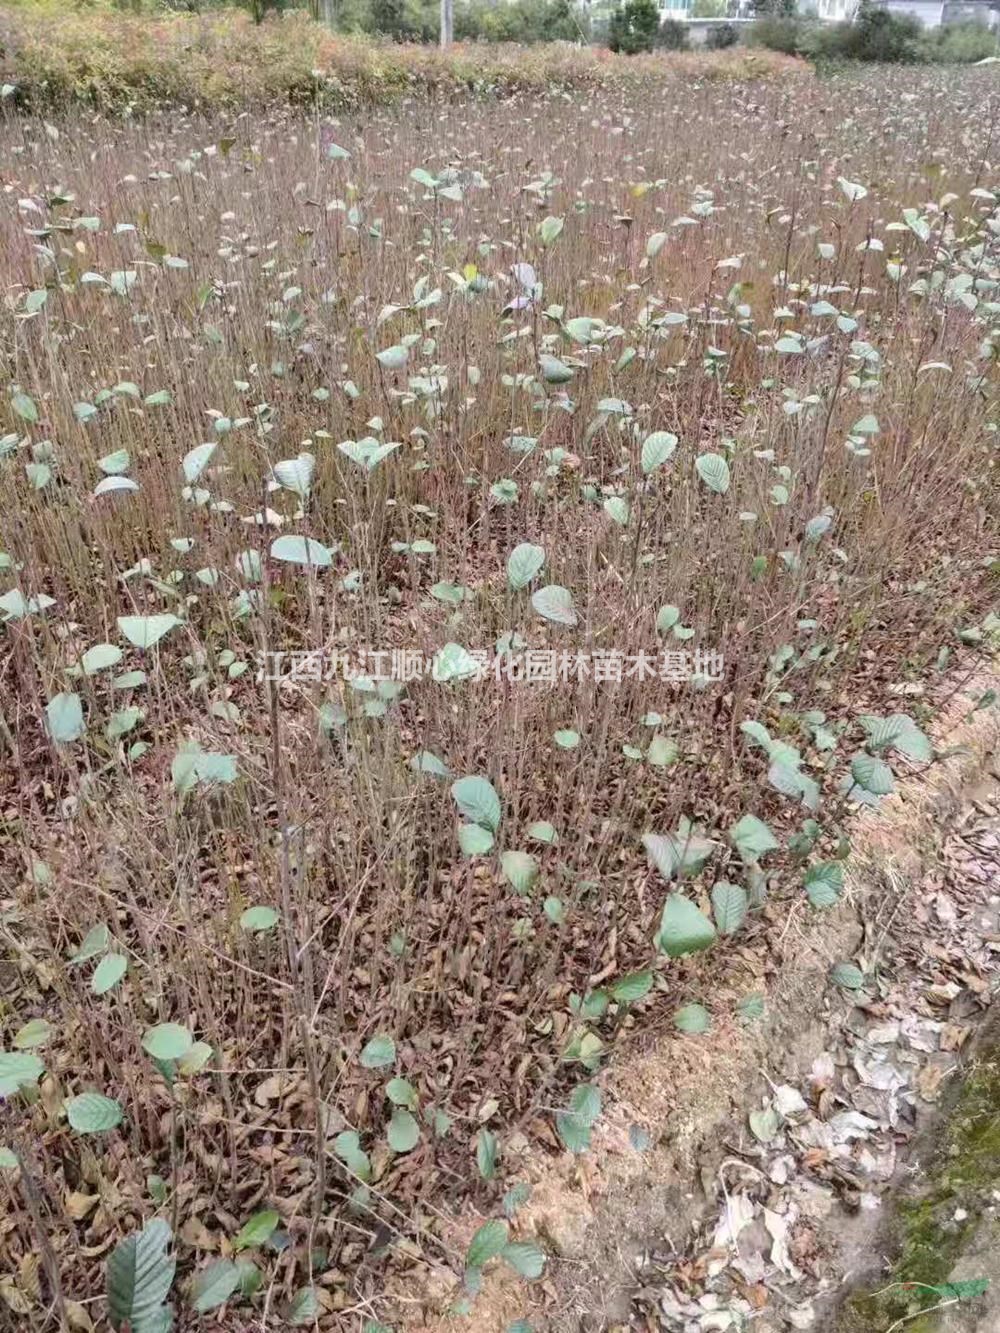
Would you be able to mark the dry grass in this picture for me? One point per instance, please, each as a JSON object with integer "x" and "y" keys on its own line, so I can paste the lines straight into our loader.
{"x": 225, "y": 62}
{"x": 264, "y": 338}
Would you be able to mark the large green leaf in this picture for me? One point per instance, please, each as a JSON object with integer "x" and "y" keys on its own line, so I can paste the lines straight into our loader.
{"x": 64, "y": 718}
{"x": 678, "y": 853}
{"x": 752, "y": 838}
{"x": 824, "y": 882}
{"x": 525, "y": 1257}
{"x": 256, "y": 1230}
{"x": 872, "y": 775}
{"x": 139, "y": 1275}
{"x": 684, "y": 928}
{"x": 18, "y": 1069}
{"x": 90, "y": 1113}
{"x": 146, "y": 631}
{"x": 404, "y": 1132}
{"x": 574, "y": 1124}
{"x": 214, "y": 1285}
{"x": 295, "y": 550}
{"x": 520, "y": 870}
{"x": 478, "y": 801}
{"x": 714, "y": 472}
{"x": 488, "y": 1242}
{"x": 657, "y": 448}
{"x": 379, "y": 1053}
{"x": 555, "y": 603}
{"x": 474, "y": 840}
{"x": 523, "y": 564}
{"x": 729, "y": 903}
{"x": 692, "y": 1019}
{"x": 167, "y": 1041}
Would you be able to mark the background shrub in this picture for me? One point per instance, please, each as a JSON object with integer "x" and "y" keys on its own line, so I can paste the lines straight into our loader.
{"x": 673, "y": 36}
{"x": 726, "y": 34}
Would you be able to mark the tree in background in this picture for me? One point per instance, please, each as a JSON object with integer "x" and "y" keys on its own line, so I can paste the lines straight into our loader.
{"x": 776, "y": 8}
{"x": 709, "y": 9}
{"x": 634, "y": 27}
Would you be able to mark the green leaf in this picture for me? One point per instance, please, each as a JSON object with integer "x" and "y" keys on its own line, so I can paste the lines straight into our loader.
{"x": 474, "y": 840}
{"x": 453, "y": 662}
{"x": 379, "y": 1053}
{"x": 566, "y": 739}
{"x": 100, "y": 657}
{"x": 296, "y": 550}
{"x": 553, "y": 370}
{"x": 488, "y": 1242}
{"x": 764, "y": 1123}
{"x": 477, "y": 801}
{"x": 617, "y": 509}
{"x": 424, "y": 761}
{"x": 256, "y": 1229}
{"x": 393, "y": 358}
{"x": 146, "y": 631}
{"x": 848, "y": 976}
{"x": 520, "y": 870}
{"x": 90, "y": 1113}
{"x": 872, "y": 775}
{"x": 295, "y": 474}
{"x": 684, "y": 928}
{"x": 714, "y": 472}
{"x": 138, "y": 1276}
{"x": 348, "y": 1148}
{"x": 555, "y": 603}
{"x": 549, "y": 229}
{"x": 24, "y": 407}
{"x": 167, "y": 1041}
{"x": 525, "y": 1257}
{"x": 824, "y": 882}
{"x": 789, "y": 345}
{"x": 64, "y": 718}
{"x": 657, "y": 449}
{"x": 18, "y": 1069}
{"x": 250, "y": 1277}
{"x": 36, "y": 1032}
{"x": 866, "y": 425}
{"x": 401, "y": 1092}
{"x": 259, "y": 918}
{"x": 486, "y": 1154}
{"x": 542, "y": 831}
{"x": 197, "y": 1057}
{"x": 729, "y": 904}
{"x": 969, "y": 1290}
{"x": 692, "y": 1019}
{"x": 680, "y": 853}
{"x": 897, "y": 732}
{"x": 304, "y": 1307}
{"x": 662, "y": 752}
{"x": 214, "y": 1285}
{"x": 94, "y": 943}
{"x": 752, "y": 838}
{"x": 633, "y": 987}
{"x": 196, "y": 460}
{"x": 523, "y": 564}
{"x": 404, "y": 1132}
{"x": 574, "y": 1125}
